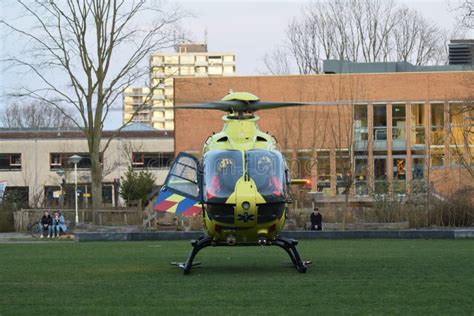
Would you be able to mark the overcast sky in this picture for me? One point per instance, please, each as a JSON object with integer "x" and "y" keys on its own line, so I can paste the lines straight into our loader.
{"x": 246, "y": 28}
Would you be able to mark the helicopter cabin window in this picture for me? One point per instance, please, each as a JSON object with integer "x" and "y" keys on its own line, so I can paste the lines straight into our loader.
{"x": 183, "y": 176}
{"x": 222, "y": 170}
{"x": 266, "y": 168}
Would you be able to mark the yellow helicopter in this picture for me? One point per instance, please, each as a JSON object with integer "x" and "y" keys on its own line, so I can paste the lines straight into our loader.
{"x": 240, "y": 186}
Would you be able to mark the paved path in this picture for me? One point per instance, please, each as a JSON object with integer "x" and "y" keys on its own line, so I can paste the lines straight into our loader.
{"x": 22, "y": 238}
{"x": 466, "y": 233}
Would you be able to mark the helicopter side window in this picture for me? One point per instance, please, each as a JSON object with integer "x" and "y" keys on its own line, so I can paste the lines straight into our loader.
{"x": 267, "y": 169}
{"x": 222, "y": 170}
{"x": 183, "y": 176}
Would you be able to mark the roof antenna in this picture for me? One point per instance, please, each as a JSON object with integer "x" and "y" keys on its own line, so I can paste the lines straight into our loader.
{"x": 205, "y": 36}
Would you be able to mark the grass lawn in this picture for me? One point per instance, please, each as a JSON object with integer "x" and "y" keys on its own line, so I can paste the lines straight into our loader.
{"x": 347, "y": 277}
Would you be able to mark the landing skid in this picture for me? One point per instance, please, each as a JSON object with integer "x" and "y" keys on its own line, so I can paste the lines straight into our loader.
{"x": 289, "y": 245}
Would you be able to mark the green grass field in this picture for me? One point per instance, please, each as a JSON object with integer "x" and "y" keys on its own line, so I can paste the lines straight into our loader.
{"x": 347, "y": 277}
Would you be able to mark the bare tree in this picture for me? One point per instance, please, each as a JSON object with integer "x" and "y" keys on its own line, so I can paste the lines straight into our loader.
{"x": 96, "y": 49}
{"x": 303, "y": 47}
{"x": 416, "y": 39}
{"x": 276, "y": 62}
{"x": 461, "y": 129}
{"x": 361, "y": 31}
{"x": 35, "y": 115}
{"x": 465, "y": 11}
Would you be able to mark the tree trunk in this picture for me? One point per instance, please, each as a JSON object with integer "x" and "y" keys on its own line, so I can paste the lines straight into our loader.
{"x": 96, "y": 176}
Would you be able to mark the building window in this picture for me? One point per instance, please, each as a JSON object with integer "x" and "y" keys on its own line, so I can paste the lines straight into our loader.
{"x": 229, "y": 69}
{"x": 417, "y": 124}
{"x": 61, "y": 161}
{"x": 10, "y": 162}
{"x": 380, "y": 122}
{"x": 418, "y": 168}
{"x": 151, "y": 160}
{"x": 399, "y": 175}
{"x": 459, "y": 134}
{"x": 343, "y": 171}
{"x": 215, "y": 60}
{"x": 229, "y": 58}
{"x": 305, "y": 163}
{"x": 437, "y": 157}
{"x": 398, "y": 122}
{"x": 187, "y": 59}
{"x": 324, "y": 171}
{"x": 380, "y": 175}
{"x": 437, "y": 124}
{"x": 361, "y": 172}
{"x": 215, "y": 70}
{"x": 360, "y": 122}
{"x": 418, "y": 184}
{"x": 399, "y": 169}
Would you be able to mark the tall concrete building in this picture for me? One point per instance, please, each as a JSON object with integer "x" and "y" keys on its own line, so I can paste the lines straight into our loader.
{"x": 134, "y": 98}
{"x": 156, "y": 101}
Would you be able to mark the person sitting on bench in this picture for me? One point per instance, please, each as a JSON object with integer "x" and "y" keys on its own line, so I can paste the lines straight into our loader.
{"x": 58, "y": 224}
{"x": 46, "y": 224}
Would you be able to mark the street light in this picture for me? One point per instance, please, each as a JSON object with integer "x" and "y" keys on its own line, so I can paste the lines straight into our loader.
{"x": 75, "y": 160}
{"x": 60, "y": 173}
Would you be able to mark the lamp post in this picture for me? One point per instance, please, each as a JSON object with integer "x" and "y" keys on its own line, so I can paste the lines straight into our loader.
{"x": 75, "y": 160}
{"x": 60, "y": 173}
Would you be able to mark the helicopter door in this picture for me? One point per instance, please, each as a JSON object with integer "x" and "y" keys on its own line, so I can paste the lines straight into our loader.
{"x": 181, "y": 192}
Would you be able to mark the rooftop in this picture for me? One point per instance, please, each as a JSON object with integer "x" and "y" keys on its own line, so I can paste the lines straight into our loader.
{"x": 340, "y": 67}
{"x": 135, "y": 130}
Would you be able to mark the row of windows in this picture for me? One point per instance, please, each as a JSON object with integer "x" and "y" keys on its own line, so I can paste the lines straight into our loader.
{"x": 457, "y": 116}
{"x": 191, "y": 70}
{"x": 191, "y": 59}
{"x": 13, "y": 162}
{"x": 306, "y": 165}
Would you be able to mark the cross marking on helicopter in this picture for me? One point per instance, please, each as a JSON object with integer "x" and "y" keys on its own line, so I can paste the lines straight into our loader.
{"x": 245, "y": 217}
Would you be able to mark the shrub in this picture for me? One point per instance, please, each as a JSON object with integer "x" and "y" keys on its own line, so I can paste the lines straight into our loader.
{"x": 136, "y": 185}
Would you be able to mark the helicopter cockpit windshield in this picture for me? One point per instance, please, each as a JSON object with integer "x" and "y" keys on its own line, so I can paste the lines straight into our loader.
{"x": 267, "y": 169}
{"x": 223, "y": 168}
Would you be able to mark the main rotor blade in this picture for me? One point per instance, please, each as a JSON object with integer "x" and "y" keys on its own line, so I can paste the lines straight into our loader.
{"x": 253, "y": 106}
{"x": 226, "y": 106}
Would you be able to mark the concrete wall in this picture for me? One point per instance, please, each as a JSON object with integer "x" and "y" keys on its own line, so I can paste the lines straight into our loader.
{"x": 35, "y": 154}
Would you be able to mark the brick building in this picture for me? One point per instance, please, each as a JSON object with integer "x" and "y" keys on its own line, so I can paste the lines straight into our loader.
{"x": 391, "y": 132}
